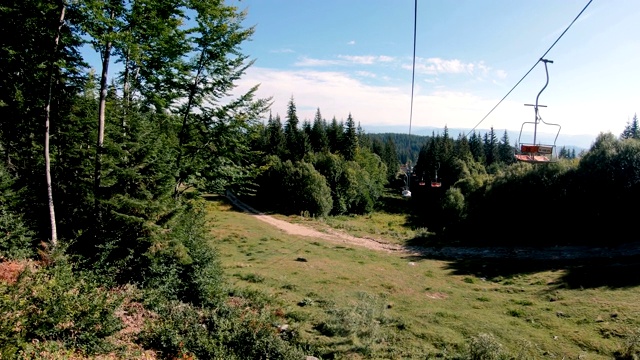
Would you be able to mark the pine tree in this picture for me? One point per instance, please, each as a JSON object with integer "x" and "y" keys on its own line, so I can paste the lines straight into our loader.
{"x": 319, "y": 139}
{"x": 463, "y": 149}
{"x": 491, "y": 147}
{"x": 477, "y": 148}
{"x": 505, "y": 151}
{"x": 350, "y": 140}
{"x": 276, "y": 142}
{"x": 293, "y": 134}
{"x": 334, "y": 135}
{"x": 632, "y": 129}
{"x": 390, "y": 158}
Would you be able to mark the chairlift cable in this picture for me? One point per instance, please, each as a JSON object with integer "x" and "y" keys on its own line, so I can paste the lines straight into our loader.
{"x": 413, "y": 71}
{"x": 536, "y": 64}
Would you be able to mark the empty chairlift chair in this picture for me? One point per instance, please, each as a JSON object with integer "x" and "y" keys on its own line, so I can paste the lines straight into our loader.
{"x": 535, "y": 152}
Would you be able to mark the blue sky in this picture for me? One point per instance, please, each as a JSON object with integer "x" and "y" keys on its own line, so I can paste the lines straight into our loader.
{"x": 355, "y": 57}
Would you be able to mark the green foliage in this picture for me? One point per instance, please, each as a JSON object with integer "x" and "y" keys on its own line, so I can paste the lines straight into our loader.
{"x": 182, "y": 264}
{"x": 486, "y": 347}
{"x": 15, "y": 237}
{"x": 362, "y": 319}
{"x": 355, "y": 185}
{"x": 350, "y": 144}
{"x": 293, "y": 188}
{"x": 55, "y": 303}
{"x": 632, "y": 129}
{"x": 224, "y": 333}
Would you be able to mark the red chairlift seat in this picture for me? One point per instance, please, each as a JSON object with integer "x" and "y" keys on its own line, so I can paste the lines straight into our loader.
{"x": 535, "y": 153}
{"x": 436, "y": 184}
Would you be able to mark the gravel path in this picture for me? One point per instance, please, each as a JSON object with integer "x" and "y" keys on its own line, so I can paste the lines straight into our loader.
{"x": 549, "y": 253}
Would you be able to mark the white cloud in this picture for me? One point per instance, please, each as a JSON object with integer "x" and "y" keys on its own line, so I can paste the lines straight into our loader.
{"x": 352, "y": 42}
{"x": 437, "y": 66}
{"x": 366, "y": 74}
{"x": 434, "y": 66}
{"x": 501, "y": 74}
{"x": 339, "y": 93}
{"x": 305, "y": 61}
{"x": 367, "y": 59}
{"x": 282, "y": 51}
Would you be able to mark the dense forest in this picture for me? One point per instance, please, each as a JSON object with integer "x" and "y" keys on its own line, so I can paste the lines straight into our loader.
{"x": 102, "y": 174}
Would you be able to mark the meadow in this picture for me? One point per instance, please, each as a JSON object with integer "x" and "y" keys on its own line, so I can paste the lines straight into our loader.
{"x": 349, "y": 302}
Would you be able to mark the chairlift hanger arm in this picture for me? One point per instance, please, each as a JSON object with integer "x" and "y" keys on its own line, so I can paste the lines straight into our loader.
{"x": 546, "y": 70}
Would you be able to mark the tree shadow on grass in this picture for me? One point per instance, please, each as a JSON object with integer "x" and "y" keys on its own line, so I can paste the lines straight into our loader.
{"x": 614, "y": 273}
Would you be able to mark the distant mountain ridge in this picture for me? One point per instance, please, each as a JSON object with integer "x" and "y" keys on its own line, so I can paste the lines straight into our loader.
{"x": 577, "y": 142}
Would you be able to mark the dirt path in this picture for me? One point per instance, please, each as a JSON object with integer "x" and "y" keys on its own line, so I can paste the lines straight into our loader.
{"x": 549, "y": 253}
{"x": 330, "y": 235}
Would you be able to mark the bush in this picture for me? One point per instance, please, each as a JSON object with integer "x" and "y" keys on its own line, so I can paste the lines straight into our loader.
{"x": 222, "y": 333}
{"x": 293, "y": 188}
{"x": 56, "y": 304}
{"x": 485, "y": 347}
{"x": 630, "y": 348}
{"x": 363, "y": 320}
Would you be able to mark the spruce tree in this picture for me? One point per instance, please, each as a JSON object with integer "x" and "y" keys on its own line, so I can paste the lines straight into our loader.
{"x": 505, "y": 151}
{"x": 319, "y": 139}
{"x": 491, "y": 147}
{"x": 350, "y": 140}
{"x": 632, "y": 129}
{"x": 292, "y": 133}
{"x": 334, "y": 135}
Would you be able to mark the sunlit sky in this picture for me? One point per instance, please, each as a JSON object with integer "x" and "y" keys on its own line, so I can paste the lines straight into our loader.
{"x": 355, "y": 57}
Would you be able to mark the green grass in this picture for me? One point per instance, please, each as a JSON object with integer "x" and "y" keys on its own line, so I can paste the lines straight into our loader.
{"x": 350, "y": 302}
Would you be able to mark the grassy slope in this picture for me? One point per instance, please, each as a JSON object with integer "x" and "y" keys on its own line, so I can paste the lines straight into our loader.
{"x": 427, "y": 307}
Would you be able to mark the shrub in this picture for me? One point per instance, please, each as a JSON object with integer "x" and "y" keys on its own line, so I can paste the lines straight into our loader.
{"x": 362, "y": 319}
{"x": 485, "y": 347}
{"x": 630, "y": 348}
{"x": 56, "y": 304}
{"x": 223, "y": 333}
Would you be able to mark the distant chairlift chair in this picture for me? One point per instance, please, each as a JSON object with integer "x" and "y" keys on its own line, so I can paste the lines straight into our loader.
{"x": 436, "y": 183}
{"x": 535, "y": 152}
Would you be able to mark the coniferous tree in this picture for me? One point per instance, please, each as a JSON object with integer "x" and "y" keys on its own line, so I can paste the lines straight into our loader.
{"x": 463, "y": 149}
{"x": 276, "y": 141}
{"x": 632, "y": 129}
{"x": 38, "y": 80}
{"x": 334, "y": 135}
{"x": 319, "y": 139}
{"x": 491, "y": 147}
{"x": 563, "y": 153}
{"x": 350, "y": 140}
{"x": 505, "y": 151}
{"x": 293, "y": 133}
{"x": 363, "y": 140}
{"x": 390, "y": 158}
{"x": 477, "y": 148}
